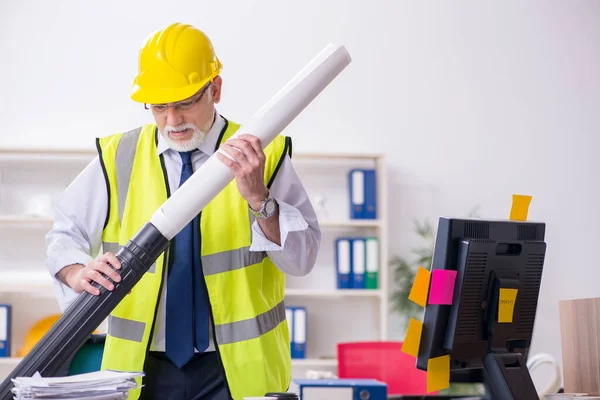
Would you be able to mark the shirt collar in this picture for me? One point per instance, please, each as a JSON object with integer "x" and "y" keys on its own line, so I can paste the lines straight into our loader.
{"x": 209, "y": 143}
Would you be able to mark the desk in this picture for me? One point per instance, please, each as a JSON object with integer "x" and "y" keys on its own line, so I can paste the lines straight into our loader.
{"x": 444, "y": 397}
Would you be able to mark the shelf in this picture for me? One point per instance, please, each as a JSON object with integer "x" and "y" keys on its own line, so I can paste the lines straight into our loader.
{"x": 333, "y": 293}
{"x": 10, "y": 361}
{"x": 39, "y": 283}
{"x": 336, "y": 156}
{"x": 324, "y": 176}
{"x": 358, "y": 223}
{"x": 25, "y": 220}
{"x": 54, "y": 155}
{"x": 314, "y": 362}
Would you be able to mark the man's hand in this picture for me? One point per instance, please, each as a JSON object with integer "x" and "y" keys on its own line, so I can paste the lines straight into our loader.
{"x": 248, "y": 167}
{"x": 249, "y": 172}
{"x": 80, "y": 278}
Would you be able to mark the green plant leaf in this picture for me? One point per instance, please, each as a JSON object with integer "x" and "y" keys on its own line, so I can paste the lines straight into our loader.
{"x": 425, "y": 262}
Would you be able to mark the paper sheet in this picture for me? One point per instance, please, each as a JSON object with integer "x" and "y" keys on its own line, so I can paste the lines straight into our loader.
{"x": 442, "y": 286}
{"x": 520, "y": 207}
{"x": 99, "y": 385}
{"x": 420, "y": 288}
{"x": 506, "y": 304}
{"x": 412, "y": 340}
{"x": 438, "y": 373}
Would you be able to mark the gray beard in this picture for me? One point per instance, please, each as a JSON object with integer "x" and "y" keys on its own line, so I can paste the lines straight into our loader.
{"x": 190, "y": 144}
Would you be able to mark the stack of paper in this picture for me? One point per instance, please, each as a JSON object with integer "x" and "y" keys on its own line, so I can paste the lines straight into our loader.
{"x": 100, "y": 385}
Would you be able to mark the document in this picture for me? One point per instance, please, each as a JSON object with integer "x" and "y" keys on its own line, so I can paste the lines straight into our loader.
{"x": 100, "y": 385}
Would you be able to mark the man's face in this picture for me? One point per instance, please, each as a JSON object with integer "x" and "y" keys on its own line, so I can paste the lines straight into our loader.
{"x": 185, "y": 124}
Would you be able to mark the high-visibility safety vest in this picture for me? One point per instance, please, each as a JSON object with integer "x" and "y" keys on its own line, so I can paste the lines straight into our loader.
{"x": 246, "y": 289}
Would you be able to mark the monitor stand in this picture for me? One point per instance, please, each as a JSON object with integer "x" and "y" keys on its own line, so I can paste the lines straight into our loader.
{"x": 506, "y": 377}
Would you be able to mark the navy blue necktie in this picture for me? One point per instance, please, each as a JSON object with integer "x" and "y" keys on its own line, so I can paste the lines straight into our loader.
{"x": 187, "y": 299}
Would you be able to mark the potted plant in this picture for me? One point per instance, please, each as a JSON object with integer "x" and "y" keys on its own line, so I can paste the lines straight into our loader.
{"x": 405, "y": 270}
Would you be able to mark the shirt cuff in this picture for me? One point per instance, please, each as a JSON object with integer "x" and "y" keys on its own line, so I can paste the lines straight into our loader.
{"x": 66, "y": 256}
{"x": 290, "y": 220}
{"x": 64, "y": 294}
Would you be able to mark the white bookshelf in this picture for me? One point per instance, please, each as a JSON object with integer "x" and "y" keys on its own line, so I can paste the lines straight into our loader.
{"x": 30, "y": 174}
{"x": 339, "y": 315}
{"x": 30, "y": 180}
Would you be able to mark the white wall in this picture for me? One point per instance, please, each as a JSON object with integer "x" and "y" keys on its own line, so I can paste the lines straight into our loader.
{"x": 471, "y": 101}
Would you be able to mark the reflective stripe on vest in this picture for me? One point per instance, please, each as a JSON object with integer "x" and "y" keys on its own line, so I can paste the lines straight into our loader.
{"x": 227, "y": 333}
{"x": 125, "y": 328}
{"x": 124, "y": 159}
{"x": 251, "y": 328}
{"x": 231, "y": 260}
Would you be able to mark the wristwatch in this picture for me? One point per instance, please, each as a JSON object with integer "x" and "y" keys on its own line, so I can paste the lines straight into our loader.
{"x": 267, "y": 207}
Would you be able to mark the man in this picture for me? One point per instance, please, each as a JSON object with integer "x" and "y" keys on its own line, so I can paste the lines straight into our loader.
{"x": 207, "y": 321}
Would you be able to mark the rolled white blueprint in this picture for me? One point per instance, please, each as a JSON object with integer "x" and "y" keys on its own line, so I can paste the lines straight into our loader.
{"x": 266, "y": 124}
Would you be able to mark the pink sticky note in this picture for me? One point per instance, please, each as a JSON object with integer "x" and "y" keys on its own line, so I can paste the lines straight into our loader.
{"x": 441, "y": 289}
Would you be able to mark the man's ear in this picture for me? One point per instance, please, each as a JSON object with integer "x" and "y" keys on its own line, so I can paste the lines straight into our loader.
{"x": 216, "y": 88}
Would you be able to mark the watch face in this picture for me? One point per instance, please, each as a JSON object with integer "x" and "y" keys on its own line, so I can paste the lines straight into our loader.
{"x": 270, "y": 207}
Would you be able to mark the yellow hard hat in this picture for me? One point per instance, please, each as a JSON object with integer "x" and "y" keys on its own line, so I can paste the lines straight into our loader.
{"x": 174, "y": 63}
{"x": 36, "y": 332}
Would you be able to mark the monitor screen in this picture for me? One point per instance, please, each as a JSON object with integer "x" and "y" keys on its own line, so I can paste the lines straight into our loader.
{"x": 487, "y": 328}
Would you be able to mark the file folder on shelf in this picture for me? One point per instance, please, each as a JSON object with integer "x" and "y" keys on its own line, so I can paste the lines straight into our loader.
{"x": 358, "y": 263}
{"x": 357, "y": 193}
{"x": 5, "y": 322}
{"x": 298, "y": 338}
{"x": 370, "y": 209}
{"x": 343, "y": 262}
{"x": 289, "y": 316}
{"x": 363, "y": 193}
{"x": 372, "y": 263}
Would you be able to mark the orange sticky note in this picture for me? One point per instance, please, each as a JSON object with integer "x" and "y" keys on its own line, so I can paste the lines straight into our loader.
{"x": 412, "y": 340}
{"x": 438, "y": 373}
{"x": 420, "y": 288}
{"x": 520, "y": 207}
{"x": 506, "y": 304}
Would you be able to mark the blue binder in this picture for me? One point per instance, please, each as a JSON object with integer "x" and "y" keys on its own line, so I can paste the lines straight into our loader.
{"x": 289, "y": 316}
{"x": 356, "y": 187}
{"x": 362, "y": 184}
{"x": 300, "y": 323}
{"x": 370, "y": 209}
{"x": 358, "y": 263}
{"x": 5, "y": 322}
{"x": 339, "y": 389}
{"x": 343, "y": 262}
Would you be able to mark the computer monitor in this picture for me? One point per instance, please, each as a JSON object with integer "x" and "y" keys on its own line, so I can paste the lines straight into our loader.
{"x": 487, "y": 255}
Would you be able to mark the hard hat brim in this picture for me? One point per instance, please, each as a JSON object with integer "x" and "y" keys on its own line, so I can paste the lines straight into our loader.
{"x": 162, "y": 96}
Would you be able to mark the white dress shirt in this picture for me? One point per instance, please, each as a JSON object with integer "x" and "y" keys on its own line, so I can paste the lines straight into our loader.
{"x": 76, "y": 236}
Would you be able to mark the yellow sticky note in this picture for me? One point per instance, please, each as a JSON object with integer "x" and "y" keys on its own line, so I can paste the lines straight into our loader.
{"x": 412, "y": 340}
{"x": 520, "y": 207}
{"x": 506, "y": 304}
{"x": 438, "y": 373}
{"x": 420, "y": 288}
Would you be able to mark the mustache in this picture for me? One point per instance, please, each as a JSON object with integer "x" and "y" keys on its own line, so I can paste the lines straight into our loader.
{"x": 180, "y": 127}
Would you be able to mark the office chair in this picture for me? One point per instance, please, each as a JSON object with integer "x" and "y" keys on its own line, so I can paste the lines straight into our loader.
{"x": 385, "y": 362}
